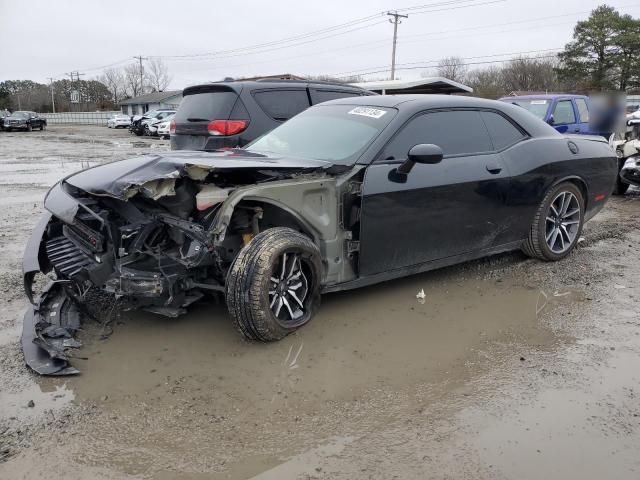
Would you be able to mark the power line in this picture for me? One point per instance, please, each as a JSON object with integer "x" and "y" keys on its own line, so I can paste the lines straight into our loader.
{"x": 284, "y": 43}
{"x": 422, "y": 62}
{"x": 451, "y": 65}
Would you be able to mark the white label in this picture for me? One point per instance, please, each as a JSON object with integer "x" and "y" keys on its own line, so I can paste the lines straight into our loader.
{"x": 367, "y": 112}
{"x": 538, "y": 102}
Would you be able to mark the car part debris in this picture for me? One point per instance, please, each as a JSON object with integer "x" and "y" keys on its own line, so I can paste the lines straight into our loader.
{"x": 48, "y": 332}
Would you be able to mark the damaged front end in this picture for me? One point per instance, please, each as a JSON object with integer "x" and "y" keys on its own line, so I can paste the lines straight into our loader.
{"x": 146, "y": 230}
{"x": 630, "y": 172}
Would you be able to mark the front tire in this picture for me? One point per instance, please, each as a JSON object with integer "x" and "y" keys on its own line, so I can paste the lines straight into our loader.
{"x": 29, "y": 128}
{"x": 273, "y": 286}
{"x": 557, "y": 225}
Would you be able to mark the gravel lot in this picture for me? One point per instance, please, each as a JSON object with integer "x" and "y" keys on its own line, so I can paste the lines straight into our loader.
{"x": 510, "y": 369}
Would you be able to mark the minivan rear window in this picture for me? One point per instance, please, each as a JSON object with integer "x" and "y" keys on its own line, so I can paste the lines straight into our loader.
{"x": 206, "y": 106}
{"x": 281, "y": 105}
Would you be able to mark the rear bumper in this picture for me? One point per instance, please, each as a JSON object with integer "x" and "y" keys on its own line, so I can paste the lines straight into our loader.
{"x": 181, "y": 141}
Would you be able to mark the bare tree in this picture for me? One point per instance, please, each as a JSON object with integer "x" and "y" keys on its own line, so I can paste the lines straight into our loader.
{"x": 487, "y": 82}
{"x": 530, "y": 75}
{"x": 132, "y": 82}
{"x": 114, "y": 79}
{"x": 453, "y": 68}
{"x": 157, "y": 75}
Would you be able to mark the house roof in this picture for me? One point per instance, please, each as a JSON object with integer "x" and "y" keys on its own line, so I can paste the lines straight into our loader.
{"x": 424, "y": 85}
{"x": 155, "y": 97}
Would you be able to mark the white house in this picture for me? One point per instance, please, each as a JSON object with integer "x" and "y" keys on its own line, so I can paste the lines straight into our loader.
{"x": 151, "y": 101}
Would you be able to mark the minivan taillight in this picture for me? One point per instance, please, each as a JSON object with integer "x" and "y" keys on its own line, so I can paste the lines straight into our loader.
{"x": 172, "y": 127}
{"x": 226, "y": 127}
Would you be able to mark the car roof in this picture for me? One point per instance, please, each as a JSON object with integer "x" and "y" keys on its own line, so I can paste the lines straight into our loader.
{"x": 548, "y": 96}
{"x": 276, "y": 84}
{"x": 412, "y": 104}
{"x": 419, "y": 101}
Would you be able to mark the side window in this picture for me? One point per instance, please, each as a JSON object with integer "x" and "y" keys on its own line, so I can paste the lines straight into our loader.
{"x": 502, "y": 132}
{"x": 456, "y": 132}
{"x": 563, "y": 113}
{"x": 282, "y": 104}
{"x": 583, "y": 110}
{"x": 319, "y": 96}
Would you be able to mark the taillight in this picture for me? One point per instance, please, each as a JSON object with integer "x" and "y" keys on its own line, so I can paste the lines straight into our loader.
{"x": 172, "y": 127}
{"x": 226, "y": 127}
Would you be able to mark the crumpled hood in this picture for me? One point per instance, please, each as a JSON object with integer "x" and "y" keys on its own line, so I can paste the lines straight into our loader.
{"x": 121, "y": 179}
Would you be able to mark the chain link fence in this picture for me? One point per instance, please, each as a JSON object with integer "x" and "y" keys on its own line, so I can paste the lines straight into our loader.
{"x": 80, "y": 118}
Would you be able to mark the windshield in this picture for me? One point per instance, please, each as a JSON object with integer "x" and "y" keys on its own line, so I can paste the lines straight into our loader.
{"x": 20, "y": 115}
{"x": 336, "y": 133}
{"x": 538, "y": 107}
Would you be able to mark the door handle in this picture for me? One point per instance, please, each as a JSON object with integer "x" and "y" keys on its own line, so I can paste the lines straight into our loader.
{"x": 494, "y": 168}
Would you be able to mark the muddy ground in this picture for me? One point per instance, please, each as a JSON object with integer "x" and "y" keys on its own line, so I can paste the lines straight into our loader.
{"x": 510, "y": 369}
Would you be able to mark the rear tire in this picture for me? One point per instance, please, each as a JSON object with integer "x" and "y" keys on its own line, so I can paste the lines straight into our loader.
{"x": 543, "y": 242}
{"x": 273, "y": 285}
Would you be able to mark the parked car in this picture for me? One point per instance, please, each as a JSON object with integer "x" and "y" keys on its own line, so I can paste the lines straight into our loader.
{"x": 118, "y": 121}
{"x": 232, "y": 114}
{"x": 139, "y": 126}
{"x": 348, "y": 193}
{"x": 151, "y": 128}
{"x": 566, "y": 113}
{"x": 163, "y": 130}
{"x": 24, "y": 121}
{"x": 3, "y": 114}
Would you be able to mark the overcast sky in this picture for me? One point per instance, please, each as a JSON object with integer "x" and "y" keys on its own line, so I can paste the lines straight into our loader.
{"x": 43, "y": 38}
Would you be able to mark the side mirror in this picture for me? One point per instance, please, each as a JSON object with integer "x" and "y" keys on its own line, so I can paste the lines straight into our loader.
{"x": 422, "y": 153}
{"x": 551, "y": 120}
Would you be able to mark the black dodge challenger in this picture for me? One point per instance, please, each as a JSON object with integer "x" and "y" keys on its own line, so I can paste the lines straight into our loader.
{"x": 348, "y": 193}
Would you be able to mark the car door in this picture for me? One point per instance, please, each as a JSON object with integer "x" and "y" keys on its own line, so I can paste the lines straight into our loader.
{"x": 564, "y": 116}
{"x": 437, "y": 211}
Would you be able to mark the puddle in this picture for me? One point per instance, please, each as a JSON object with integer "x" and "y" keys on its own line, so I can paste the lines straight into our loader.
{"x": 44, "y": 402}
{"x": 569, "y": 433}
{"x": 379, "y": 336}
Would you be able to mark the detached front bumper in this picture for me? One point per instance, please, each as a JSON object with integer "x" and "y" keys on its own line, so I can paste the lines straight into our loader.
{"x": 52, "y": 318}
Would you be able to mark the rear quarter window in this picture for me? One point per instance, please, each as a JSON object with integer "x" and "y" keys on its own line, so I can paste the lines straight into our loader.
{"x": 281, "y": 105}
{"x": 503, "y": 133}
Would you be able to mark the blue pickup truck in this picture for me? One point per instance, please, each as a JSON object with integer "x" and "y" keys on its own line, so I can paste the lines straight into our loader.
{"x": 566, "y": 113}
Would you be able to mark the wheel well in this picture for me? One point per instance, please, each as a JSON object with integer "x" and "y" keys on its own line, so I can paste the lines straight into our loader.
{"x": 274, "y": 215}
{"x": 583, "y": 189}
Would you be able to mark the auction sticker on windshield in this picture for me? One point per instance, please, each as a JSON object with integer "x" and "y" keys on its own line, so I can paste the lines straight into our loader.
{"x": 367, "y": 112}
{"x": 538, "y": 102}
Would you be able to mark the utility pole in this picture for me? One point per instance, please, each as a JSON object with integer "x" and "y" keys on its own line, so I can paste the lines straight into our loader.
{"x": 140, "y": 58}
{"x": 77, "y": 80}
{"x": 396, "y": 20}
{"x": 53, "y": 101}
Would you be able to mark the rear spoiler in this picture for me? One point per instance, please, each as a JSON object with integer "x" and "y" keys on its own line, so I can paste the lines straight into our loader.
{"x": 592, "y": 138}
{"x": 211, "y": 87}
